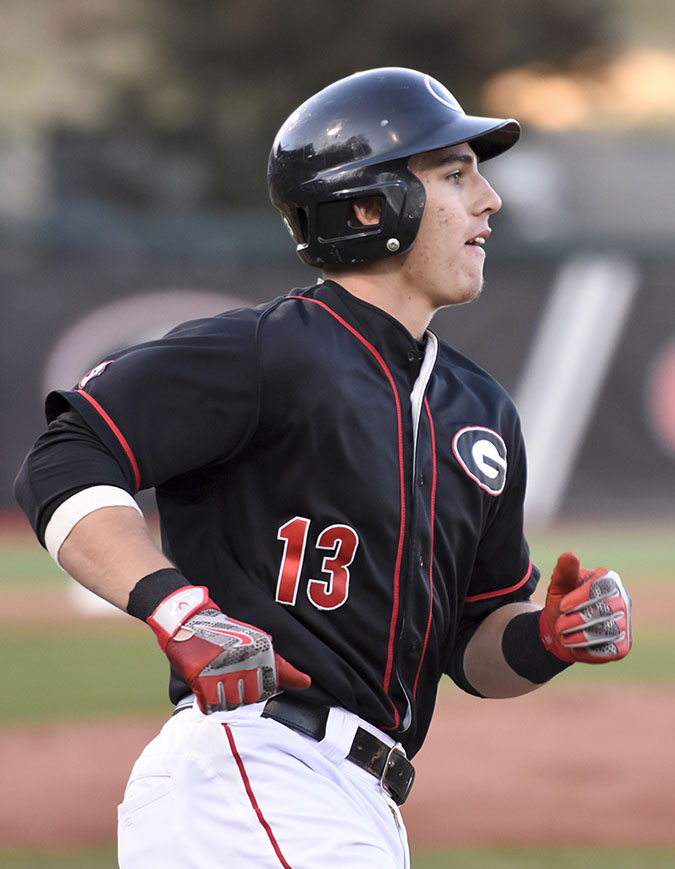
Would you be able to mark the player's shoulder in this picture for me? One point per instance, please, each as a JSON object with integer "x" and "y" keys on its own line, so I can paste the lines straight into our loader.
{"x": 452, "y": 361}
{"x": 459, "y": 369}
{"x": 240, "y": 320}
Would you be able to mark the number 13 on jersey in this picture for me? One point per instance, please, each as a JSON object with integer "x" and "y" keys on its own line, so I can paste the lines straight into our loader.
{"x": 340, "y": 541}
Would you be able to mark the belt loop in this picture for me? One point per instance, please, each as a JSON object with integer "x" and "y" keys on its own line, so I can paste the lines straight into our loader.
{"x": 186, "y": 702}
{"x": 340, "y": 731}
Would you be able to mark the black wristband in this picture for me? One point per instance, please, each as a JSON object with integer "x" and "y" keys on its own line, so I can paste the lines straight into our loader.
{"x": 151, "y": 590}
{"x": 525, "y": 652}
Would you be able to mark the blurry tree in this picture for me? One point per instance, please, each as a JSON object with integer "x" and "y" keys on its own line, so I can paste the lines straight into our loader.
{"x": 195, "y": 131}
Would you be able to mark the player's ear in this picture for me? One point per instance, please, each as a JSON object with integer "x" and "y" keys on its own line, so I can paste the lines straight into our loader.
{"x": 367, "y": 212}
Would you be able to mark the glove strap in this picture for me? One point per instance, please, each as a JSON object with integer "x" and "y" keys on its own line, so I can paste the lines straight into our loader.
{"x": 166, "y": 600}
{"x": 525, "y": 651}
{"x": 176, "y": 609}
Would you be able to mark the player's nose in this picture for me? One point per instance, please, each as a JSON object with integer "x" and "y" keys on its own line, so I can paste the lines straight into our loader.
{"x": 487, "y": 198}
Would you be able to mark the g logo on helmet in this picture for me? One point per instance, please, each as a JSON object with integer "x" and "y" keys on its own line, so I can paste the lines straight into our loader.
{"x": 481, "y": 454}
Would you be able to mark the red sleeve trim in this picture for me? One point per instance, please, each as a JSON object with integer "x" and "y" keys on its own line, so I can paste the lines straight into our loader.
{"x": 118, "y": 434}
{"x": 501, "y": 591}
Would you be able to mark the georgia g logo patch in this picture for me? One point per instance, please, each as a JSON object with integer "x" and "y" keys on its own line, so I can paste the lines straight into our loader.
{"x": 481, "y": 453}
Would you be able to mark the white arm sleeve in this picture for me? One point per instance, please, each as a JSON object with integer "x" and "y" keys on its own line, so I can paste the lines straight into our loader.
{"x": 67, "y": 515}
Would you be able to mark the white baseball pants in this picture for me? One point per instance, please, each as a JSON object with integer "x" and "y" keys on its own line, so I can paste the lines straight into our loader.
{"x": 235, "y": 790}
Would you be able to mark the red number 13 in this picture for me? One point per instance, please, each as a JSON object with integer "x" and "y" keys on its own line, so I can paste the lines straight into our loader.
{"x": 326, "y": 594}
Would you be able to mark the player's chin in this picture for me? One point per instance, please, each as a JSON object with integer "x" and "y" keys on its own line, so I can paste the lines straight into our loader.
{"x": 468, "y": 292}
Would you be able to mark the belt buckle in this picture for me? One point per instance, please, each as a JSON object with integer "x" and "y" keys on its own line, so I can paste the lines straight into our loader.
{"x": 398, "y": 775}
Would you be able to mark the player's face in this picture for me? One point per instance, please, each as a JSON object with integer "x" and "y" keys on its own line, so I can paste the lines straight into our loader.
{"x": 446, "y": 262}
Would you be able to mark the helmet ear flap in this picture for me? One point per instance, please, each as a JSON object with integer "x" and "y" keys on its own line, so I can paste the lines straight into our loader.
{"x": 337, "y": 237}
{"x": 336, "y": 219}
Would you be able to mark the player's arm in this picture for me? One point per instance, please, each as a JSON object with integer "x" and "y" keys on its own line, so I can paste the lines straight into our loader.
{"x": 226, "y": 662}
{"x": 109, "y": 550}
{"x": 77, "y": 501}
{"x": 485, "y": 666}
{"x": 518, "y": 647}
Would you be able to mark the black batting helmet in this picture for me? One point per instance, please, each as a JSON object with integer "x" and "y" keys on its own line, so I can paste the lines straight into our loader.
{"x": 352, "y": 141}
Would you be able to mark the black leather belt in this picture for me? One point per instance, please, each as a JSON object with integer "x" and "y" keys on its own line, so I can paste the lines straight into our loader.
{"x": 387, "y": 763}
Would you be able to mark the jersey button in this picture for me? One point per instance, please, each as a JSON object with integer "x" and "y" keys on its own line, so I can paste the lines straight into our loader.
{"x": 411, "y": 355}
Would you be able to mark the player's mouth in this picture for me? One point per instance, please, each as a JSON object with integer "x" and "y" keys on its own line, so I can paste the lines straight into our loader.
{"x": 478, "y": 241}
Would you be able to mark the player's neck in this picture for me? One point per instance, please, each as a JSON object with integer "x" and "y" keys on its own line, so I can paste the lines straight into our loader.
{"x": 386, "y": 292}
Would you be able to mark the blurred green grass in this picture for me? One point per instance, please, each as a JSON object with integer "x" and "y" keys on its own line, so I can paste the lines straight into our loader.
{"x": 82, "y": 671}
{"x": 651, "y": 661}
{"x": 522, "y": 858}
{"x": 99, "y": 859}
{"x": 640, "y": 551}
{"x": 25, "y": 564}
{"x": 510, "y": 858}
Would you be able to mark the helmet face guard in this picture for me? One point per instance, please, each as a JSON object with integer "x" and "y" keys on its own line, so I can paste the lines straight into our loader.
{"x": 351, "y": 142}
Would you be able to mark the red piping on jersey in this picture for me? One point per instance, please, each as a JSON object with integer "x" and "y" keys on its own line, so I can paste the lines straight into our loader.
{"x": 118, "y": 434}
{"x": 399, "y": 425}
{"x": 431, "y": 547}
{"x": 500, "y": 591}
{"x": 254, "y": 803}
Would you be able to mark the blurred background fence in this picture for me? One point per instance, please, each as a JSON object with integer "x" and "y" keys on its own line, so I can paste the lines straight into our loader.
{"x": 133, "y": 143}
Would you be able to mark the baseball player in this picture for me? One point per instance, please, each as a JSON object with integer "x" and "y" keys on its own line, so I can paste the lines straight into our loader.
{"x": 341, "y": 505}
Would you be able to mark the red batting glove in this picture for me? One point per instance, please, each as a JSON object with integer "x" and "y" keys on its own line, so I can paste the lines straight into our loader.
{"x": 227, "y": 663}
{"x": 587, "y": 614}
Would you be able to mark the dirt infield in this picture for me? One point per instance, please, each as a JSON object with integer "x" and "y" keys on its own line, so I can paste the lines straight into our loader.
{"x": 564, "y": 766}
{"x": 572, "y": 766}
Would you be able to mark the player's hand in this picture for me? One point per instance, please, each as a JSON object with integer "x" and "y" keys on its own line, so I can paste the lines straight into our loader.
{"x": 227, "y": 663}
{"x": 587, "y": 615}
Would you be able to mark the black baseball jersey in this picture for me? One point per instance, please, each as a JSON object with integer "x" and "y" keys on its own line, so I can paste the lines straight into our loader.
{"x": 332, "y": 481}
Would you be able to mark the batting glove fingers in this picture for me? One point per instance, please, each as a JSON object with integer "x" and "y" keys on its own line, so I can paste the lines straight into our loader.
{"x": 587, "y": 615}
{"x": 595, "y": 619}
{"x": 227, "y": 663}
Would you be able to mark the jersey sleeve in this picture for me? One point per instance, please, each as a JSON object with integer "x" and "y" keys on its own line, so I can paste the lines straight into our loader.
{"x": 168, "y": 407}
{"x": 503, "y": 571}
{"x": 65, "y": 459}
